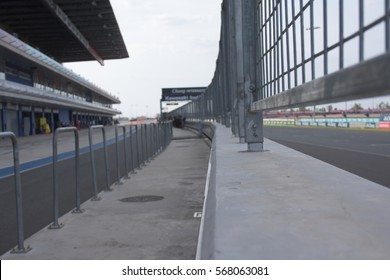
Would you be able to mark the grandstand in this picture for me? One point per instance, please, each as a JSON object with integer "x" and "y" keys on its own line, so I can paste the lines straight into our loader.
{"x": 39, "y": 94}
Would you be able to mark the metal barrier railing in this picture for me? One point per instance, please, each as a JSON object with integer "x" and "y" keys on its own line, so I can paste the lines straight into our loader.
{"x": 18, "y": 194}
{"x": 93, "y": 164}
{"x": 146, "y": 140}
{"x": 291, "y": 53}
{"x": 55, "y": 224}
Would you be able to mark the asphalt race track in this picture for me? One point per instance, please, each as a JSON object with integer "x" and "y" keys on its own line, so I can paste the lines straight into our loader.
{"x": 365, "y": 153}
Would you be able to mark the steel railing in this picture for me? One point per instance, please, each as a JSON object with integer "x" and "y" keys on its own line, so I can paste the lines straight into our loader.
{"x": 141, "y": 143}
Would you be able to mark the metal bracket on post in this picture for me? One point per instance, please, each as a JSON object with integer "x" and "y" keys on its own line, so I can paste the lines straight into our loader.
{"x": 55, "y": 224}
{"x": 18, "y": 195}
{"x": 254, "y": 127}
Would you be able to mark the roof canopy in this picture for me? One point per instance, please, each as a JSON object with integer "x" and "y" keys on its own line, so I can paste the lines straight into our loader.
{"x": 66, "y": 30}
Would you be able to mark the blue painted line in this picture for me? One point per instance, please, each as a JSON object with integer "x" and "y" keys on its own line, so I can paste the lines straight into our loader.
{"x": 8, "y": 171}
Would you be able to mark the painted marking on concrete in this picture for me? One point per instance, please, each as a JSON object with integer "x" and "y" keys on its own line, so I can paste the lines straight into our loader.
{"x": 198, "y": 215}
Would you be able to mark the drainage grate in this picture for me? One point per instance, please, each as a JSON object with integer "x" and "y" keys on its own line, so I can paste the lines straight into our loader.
{"x": 142, "y": 198}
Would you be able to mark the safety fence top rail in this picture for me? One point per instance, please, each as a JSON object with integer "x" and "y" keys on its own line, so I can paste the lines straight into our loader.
{"x": 300, "y": 41}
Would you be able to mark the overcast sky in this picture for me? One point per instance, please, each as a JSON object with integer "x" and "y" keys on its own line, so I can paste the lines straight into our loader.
{"x": 174, "y": 43}
{"x": 171, "y": 43}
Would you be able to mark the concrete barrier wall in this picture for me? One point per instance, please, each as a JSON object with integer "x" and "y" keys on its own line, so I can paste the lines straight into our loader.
{"x": 205, "y": 247}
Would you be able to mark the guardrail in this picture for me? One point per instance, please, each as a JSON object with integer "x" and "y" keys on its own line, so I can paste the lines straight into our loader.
{"x": 286, "y": 54}
{"x": 18, "y": 193}
{"x": 152, "y": 139}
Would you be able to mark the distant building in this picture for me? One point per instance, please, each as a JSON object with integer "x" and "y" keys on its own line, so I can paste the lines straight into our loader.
{"x": 37, "y": 93}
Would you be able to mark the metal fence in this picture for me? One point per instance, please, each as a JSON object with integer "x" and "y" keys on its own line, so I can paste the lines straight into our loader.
{"x": 141, "y": 143}
{"x": 290, "y": 53}
{"x": 20, "y": 248}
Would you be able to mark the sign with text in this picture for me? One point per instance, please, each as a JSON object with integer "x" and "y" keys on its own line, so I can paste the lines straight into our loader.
{"x": 384, "y": 122}
{"x": 182, "y": 94}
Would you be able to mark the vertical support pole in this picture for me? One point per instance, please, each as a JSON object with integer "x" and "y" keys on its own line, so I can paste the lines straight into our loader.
{"x": 77, "y": 172}
{"x": 159, "y": 150}
{"x": 55, "y": 224}
{"x": 341, "y": 34}
{"x": 96, "y": 197}
{"x": 52, "y": 124}
{"x": 387, "y": 25}
{"x": 302, "y": 43}
{"x": 18, "y": 194}
{"x": 4, "y": 118}
{"x": 240, "y": 68}
{"x": 137, "y": 148}
{"x": 361, "y": 29}
{"x": 325, "y": 34}
{"x": 127, "y": 171}
{"x": 147, "y": 144}
{"x": 107, "y": 189}
{"x": 132, "y": 154}
{"x": 92, "y": 156}
{"x": 253, "y": 120}
{"x": 77, "y": 210}
{"x": 32, "y": 122}
{"x": 20, "y": 121}
{"x": 118, "y": 173}
{"x": 143, "y": 156}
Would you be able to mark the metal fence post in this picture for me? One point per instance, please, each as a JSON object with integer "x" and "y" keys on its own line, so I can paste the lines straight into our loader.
{"x": 119, "y": 182}
{"x": 55, "y": 224}
{"x": 92, "y": 156}
{"x": 126, "y": 150}
{"x": 137, "y": 148}
{"x": 253, "y": 120}
{"x": 143, "y": 157}
{"x": 106, "y": 161}
{"x": 158, "y": 137}
{"x": 96, "y": 197}
{"x": 18, "y": 194}
{"x": 118, "y": 173}
{"x": 147, "y": 144}
{"x": 132, "y": 154}
{"x": 240, "y": 68}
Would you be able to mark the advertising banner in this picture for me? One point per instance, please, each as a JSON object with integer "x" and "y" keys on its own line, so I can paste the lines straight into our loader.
{"x": 384, "y": 121}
